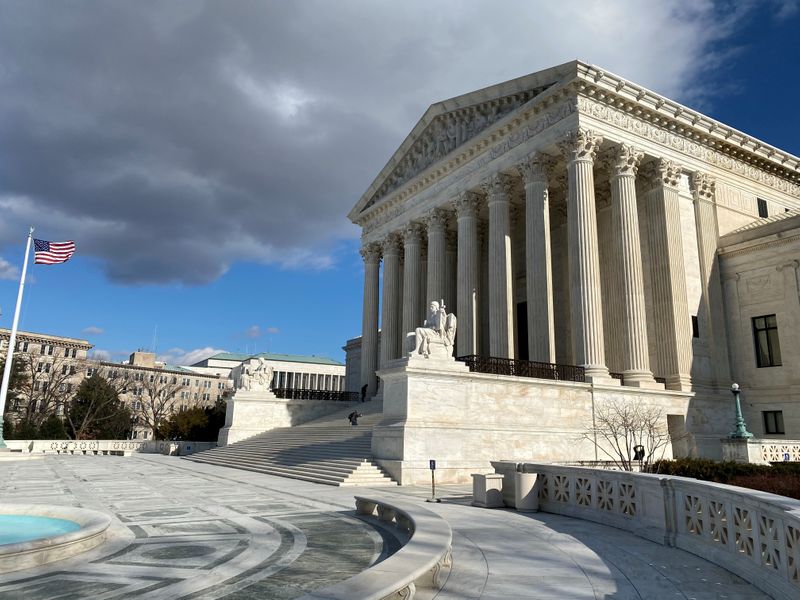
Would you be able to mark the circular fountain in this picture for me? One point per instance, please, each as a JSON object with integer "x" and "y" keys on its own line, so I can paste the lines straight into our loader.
{"x": 35, "y": 534}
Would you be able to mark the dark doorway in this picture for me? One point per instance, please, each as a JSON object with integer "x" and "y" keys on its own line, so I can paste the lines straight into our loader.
{"x": 522, "y": 331}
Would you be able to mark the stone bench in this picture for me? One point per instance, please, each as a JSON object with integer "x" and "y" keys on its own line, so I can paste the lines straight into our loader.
{"x": 419, "y": 563}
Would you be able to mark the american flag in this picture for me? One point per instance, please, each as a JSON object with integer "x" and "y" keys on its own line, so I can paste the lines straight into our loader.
{"x": 51, "y": 253}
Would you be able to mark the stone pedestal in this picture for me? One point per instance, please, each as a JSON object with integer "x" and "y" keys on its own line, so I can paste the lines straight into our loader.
{"x": 487, "y": 490}
{"x": 526, "y": 492}
{"x": 742, "y": 450}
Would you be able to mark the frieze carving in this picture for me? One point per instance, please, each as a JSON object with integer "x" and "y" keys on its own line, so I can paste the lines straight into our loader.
{"x": 623, "y": 120}
{"x": 467, "y": 204}
{"x": 371, "y": 253}
{"x": 702, "y": 185}
{"x": 466, "y": 164}
{"x": 661, "y": 172}
{"x": 581, "y": 144}
{"x": 623, "y": 160}
{"x": 447, "y": 132}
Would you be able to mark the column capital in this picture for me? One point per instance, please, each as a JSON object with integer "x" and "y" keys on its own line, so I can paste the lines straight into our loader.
{"x": 391, "y": 244}
{"x": 467, "y": 204}
{"x": 536, "y": 168}
{"x": 412, "y": 233}
{"x": 623, "y": 160}
{"x": 371, "y": 253}
{"x": 436, "y": 219}
{"x": 702, "y": 185}
{"x": 498, "y": 187}
{"x": 662, "y": 172}
{"x": 581, "y": 144}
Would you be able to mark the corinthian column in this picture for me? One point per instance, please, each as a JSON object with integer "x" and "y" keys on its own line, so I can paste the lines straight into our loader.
{"x": 705, "y": 214}
{"x": 468, "y": 269}
{"x": 412, "y": 279}
{"x": 628, "y": 259}
{"x": 390, "y": 325}
{"x": 580, "y": 148}
{"x": 369, "y": 323}
{"x": 538, "y": 266}
{"x": 436, "y": 221}
{"x": 501, "y": 315}
{"x": 671, "y": 321}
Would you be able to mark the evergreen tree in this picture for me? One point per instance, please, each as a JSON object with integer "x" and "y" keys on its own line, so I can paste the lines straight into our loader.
{"x": 96, "y": 412}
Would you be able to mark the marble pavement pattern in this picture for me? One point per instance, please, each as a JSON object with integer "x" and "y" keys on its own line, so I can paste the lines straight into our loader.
{"x": 190, "y": 530}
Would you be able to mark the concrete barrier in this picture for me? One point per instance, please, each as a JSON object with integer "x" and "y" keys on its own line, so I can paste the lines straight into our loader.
{"x": 113, "y": 447}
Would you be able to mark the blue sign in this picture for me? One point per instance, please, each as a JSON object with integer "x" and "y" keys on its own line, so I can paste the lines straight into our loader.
{"x": 785, "y": 456}
{"x": 433, "y": 465}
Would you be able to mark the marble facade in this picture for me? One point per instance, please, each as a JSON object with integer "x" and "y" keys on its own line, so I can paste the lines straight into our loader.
{"x": 568, "y": 216}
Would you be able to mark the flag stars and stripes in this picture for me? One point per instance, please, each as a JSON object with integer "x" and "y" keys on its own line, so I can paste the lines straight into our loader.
{"x": 51, "y": 253}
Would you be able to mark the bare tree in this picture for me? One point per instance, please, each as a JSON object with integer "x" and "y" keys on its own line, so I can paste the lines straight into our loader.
{"x": 46, "y": 385}
{"x": 158, "y": 399}
{"x": 618, "y": 426}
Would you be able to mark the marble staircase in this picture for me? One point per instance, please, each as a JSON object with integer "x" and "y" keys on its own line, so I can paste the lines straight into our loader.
{"x": 327, "y": 450}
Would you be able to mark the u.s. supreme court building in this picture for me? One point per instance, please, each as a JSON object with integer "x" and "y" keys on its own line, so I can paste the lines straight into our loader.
{"x": 603, "y": 241}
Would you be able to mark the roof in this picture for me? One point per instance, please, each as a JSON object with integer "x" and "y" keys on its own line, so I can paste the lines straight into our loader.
{"x": 788, "y": 214}
{"x": 779, "y": 226}
{"x": 298, "y": 358}
{"x": 60, "y": 339}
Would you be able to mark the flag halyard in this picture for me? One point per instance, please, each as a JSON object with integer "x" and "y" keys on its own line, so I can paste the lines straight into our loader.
{"x": 52, "y": 253}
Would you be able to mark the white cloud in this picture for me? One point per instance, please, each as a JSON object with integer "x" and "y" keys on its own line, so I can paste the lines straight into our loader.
{"x": 273, "y": 330}
{"x": 98, "y": 354}
{"x": 93, "y": 330}
{"x": 253, "y": 332}
{"x": 8, "y": 271}
{"x": 179, "y": 356}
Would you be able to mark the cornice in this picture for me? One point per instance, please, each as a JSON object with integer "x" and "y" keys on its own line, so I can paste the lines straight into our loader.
{"x": 755, "y": 247}
{"x": 621, "y": 93}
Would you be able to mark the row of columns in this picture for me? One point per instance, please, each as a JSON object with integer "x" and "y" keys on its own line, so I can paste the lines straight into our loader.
{"x": 580, "y": 150}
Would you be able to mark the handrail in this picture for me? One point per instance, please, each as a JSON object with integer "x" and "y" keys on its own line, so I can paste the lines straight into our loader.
{"x": 523, "y": 368}
{"x": 309, "y": 394}
{"x": 418, "y": 563}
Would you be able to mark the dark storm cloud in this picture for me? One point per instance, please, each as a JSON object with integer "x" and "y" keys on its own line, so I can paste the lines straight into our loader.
{"x": 174, "y": 138}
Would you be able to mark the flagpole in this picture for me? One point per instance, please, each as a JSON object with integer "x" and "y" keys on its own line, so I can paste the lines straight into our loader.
{"x": 12, "y": 340}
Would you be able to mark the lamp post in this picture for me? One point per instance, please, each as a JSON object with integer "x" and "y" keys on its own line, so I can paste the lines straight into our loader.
{"x": 741, "y": 429}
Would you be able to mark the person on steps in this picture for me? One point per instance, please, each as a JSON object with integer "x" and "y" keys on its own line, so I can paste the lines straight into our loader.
{"x": 353, "y": 418}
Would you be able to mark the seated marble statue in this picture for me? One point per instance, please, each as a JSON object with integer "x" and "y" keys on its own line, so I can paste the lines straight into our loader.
{"x": 257, "y": 379}
{"x": 437, "y": 332}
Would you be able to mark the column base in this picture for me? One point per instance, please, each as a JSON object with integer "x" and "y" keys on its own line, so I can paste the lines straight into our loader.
{"x": 679, "y": 383}
{"x": 641, "y": 379}
{"x": 598, "y": 375}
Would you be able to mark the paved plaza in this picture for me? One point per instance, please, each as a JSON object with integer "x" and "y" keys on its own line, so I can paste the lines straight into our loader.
{"x": 187, "y": 530}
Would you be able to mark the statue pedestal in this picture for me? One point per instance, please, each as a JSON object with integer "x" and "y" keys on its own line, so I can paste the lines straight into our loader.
{"x": 248, "y": 414}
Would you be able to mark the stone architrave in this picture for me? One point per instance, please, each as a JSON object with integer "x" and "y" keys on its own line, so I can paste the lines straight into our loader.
{"x": 705, "y": 213}
{"x": 467, "y": 206}
{"x": 412, "y": 277}
{"x": 672, "y": 323}
{"x": 501, "y": 317}
{"x": 538, "y": 261}
{"x": 624, "y": 162}
{"x": 436, "y": 222}
{"x": 390, "y": 309}
{"x": 371, "y": 254}
{"x": 579, "y": 149}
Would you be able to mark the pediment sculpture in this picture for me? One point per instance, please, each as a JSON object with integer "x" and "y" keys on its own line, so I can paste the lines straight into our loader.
{"x": 436, "y": 338}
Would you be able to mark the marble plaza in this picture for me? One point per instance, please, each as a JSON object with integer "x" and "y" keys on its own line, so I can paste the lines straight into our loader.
{"x": 183, "y": 530}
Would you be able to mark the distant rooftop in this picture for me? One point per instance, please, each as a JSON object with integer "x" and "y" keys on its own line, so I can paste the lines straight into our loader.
{"x": 298, "y": 358}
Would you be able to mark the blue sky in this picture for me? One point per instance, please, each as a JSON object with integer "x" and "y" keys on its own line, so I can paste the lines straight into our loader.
{"x": 204, "y": 155}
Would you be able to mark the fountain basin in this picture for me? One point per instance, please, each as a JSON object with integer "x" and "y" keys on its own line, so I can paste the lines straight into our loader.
{"x": 62, "y": 532}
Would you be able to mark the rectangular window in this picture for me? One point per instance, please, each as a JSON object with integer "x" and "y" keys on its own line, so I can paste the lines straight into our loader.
{"x": 768, "y": 347}
{"x": 25, "y": 347}
{"x": 72, "y": 370}
{"x": 695, "y": 327}
{"x": 49, "y": 351}
{"x": 41, "y": 351}
{"x": 90, "y": 371}
{"x": 47, "y": 367}
{"x": 64, "y": 369}
{"x": 74, "y": 352}
{"x": 773, "y": 421}
{"x": 762, "y": 208}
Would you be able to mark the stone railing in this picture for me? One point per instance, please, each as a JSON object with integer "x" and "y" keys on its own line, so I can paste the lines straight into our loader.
{"x": 753, "y": 534}
{"x": 419, "y": 563}
{"x": 114, "y": 447}
{"x": 763, "y": 451}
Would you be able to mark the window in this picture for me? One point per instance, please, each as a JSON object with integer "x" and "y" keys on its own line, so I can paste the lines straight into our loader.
{"x": 74, "y": 352}
{"x": 41, "y": 350}
{"x": 25, "y": 347}
{"x": 47, "y": 367}
{"x": 163, "y": 379}
{"x": 64, "y": 369}
{"x": 90, "y": 371}
{"x": 72, "y": 370}
{"x": 49, "y": 351}
{"x": 762, "y": 208}
{"x": 39, "y": 367}
{"x": 768, "y": 348}
{"x": 773, "y": 421}
{"x": 695, "y": 327}
{"x": 152, "y": 378}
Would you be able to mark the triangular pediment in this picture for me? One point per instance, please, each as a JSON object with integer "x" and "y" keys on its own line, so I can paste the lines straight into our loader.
{"x": 449, "y": 124}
